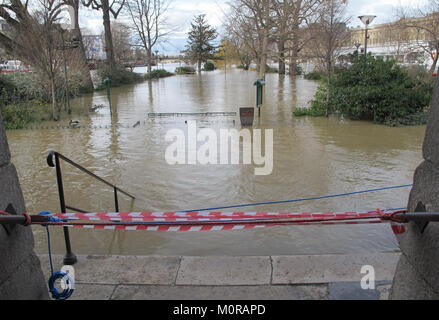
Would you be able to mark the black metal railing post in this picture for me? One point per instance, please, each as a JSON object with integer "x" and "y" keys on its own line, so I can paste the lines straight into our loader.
{"x": 70, "y": 257}
{"x": 116, "y": 201}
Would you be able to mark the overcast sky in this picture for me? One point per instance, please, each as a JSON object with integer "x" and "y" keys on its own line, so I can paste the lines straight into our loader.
{"x": 183, "y": 11}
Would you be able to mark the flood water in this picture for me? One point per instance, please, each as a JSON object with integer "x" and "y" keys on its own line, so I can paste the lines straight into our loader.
{"x": 312, "y": 157}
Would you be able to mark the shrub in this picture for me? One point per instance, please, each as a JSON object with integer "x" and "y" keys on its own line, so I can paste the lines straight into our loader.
{"x": 376, "y": 90}
{"x": 209, "y": 66}
{"x": 121, "y": 77}
{"x": 315, "y": 75}
{"x": 16, "y": 87}
{"x": 185, "y": 70}
{"x": 18, "y": 115}
{"x": 155, "y": 74}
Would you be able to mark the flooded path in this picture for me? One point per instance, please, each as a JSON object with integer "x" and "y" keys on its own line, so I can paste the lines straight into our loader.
{"x": 312, "y": 157}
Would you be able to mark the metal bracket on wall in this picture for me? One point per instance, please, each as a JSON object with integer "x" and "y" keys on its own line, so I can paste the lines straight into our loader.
{"x": 421, "y": 224}
{"x": 9, "y": 227}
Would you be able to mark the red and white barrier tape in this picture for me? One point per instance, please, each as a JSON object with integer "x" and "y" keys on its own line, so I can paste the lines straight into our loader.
{"x": 205, "y": 227}
{"x": 213, "y": 221}
{"x": 209, "y": 216}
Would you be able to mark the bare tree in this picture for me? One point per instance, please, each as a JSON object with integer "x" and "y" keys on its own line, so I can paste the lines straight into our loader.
{"x": 74, "y": 16}
{"x": 107, "y": 9}
{"x": 36, "y": 39}
{"x": 330, "y": 33}
{"x": 424, "y": 22}
{"x": 251, "y": 22}
{"x": 289, "y": 17}
{"x": 121, "y": 40}
{"x": 149, "y": 21}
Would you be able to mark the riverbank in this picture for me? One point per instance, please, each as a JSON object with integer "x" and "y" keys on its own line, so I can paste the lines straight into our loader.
{"x": 301, "y": 277}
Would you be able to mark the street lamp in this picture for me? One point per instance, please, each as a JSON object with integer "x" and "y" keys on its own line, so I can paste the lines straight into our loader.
{"x": 366, "y": 20}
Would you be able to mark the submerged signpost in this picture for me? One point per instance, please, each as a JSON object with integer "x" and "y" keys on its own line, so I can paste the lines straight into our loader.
{"x": 259, "y": 94}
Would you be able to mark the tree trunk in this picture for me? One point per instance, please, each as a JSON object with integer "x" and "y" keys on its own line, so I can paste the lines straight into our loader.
{"x": 263, "y": 56}
{"x": 108, "y": 38}
{"x": 54, "y": 106}
{"x": 328, "y": 91}
{"x": 294, "y": 54}
{"x": 88, "y": 83}
{"x": 149, "y": 59}
{"x": 199, "y": 66}
{"x": 281, "y": 49}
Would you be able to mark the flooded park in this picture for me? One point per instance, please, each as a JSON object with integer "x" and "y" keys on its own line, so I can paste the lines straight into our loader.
{"x": 312, "y": 157}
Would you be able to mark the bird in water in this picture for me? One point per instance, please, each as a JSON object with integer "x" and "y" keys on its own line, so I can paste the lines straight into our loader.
{"x": 74, "y": 123}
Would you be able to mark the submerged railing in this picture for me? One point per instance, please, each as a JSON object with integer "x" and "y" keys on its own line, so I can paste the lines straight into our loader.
{"x": 70, "y": 257}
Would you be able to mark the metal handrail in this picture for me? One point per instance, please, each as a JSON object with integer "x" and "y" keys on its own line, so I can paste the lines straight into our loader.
{"x": 70, "y": 257}
{"x": 53, "y": 154}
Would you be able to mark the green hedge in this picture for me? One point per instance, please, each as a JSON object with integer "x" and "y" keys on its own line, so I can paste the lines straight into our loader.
{"x": 376, "y": 90}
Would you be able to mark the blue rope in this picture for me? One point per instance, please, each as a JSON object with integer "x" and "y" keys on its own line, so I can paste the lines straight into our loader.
{"x": 298, "y": 200}
{"x": 59, "y": 275}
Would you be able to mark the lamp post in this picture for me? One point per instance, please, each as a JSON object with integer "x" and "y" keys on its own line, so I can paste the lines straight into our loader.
{"x": 157, "y": 58}
{"x": 366, "y": 20}
{"x": 74, "y": 43}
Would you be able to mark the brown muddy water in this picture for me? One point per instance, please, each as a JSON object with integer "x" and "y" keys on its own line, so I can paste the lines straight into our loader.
{"x": 312, "y": 157}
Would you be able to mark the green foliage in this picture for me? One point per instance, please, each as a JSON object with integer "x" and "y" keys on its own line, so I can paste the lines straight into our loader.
{"x": 17, "y": 87}
{"x": 121, "y": 77}
{"x": 376, "y": 90}
{"x": 160, "y": 73}
{"x": 199, "y": 47}
{"x": 315, "y": 75}
{"x": 24, "y": 98}
{"x": 243, "y": 67}
{"x": 209, "y": 66}
{"x": 317, "y": 109}
{"x": 18, "y": 115}
{"x": 184, "y": 70}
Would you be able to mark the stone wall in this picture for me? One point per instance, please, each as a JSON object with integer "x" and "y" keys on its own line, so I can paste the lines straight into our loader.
{"x": 21, "y": 276}
{"x": 417, "y": 275}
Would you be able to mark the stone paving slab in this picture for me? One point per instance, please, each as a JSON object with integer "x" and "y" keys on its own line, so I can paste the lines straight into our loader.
{"x": 224, "y": 271}
{"x": 331, "y": 268}
{"x": 321, "y": 277}
{"x": 353, "y": 291}
{"x": 309, "y": 292}
{"x": 120, "y": 269}
{"x": 86, "y": 291}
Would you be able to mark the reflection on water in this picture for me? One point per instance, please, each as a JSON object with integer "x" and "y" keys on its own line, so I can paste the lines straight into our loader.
{"x": 312, "y": 157}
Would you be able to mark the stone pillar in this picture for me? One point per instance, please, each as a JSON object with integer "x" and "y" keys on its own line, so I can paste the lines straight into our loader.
{"x": 21, "y": 276}
{"x": 417, "y": 275}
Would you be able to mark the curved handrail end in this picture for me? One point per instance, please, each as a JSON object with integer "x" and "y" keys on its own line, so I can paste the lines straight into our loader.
{"x": 50, "y": 158}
